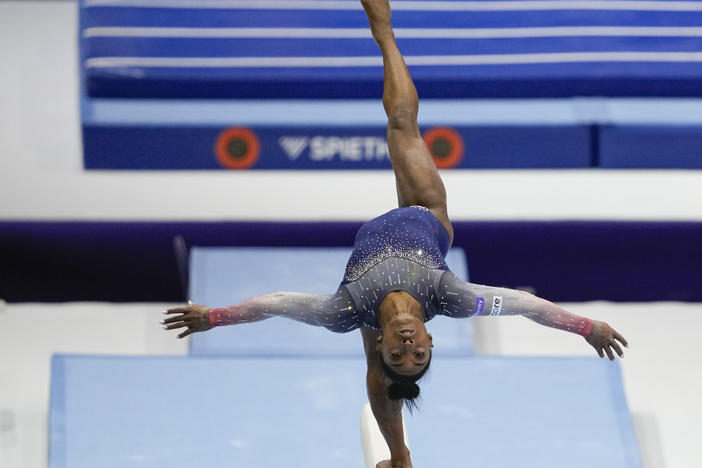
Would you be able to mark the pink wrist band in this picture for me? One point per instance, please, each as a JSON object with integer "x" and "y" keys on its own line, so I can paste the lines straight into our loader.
{"x": 222, "y": 315}
{"x": 213, "y": 317}
{"x": 587, "y": 327}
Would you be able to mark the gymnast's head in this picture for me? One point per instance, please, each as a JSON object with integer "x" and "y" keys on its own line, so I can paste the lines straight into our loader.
{"x": 404, "y": 345}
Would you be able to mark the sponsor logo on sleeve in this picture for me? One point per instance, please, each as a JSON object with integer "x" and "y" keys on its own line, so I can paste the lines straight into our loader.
{"x": 479, "y": 303}
{"x": 496, "y": 305}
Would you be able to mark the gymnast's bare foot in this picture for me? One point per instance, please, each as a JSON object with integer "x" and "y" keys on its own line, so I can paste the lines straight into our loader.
{"x": 378, "y": 12}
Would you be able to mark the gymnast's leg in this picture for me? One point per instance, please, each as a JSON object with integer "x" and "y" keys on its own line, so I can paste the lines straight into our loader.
{"x": 418, "y": 181}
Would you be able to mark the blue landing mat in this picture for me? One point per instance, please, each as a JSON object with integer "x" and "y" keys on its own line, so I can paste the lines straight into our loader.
{"x": 172, "y": 412}
{"x": 524, "y": 412}
{"x": 225, "y": 276}
{"x": 232, "y": 49}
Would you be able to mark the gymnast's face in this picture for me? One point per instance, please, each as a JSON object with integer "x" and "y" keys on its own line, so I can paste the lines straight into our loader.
{"x": 404, "y": 344}
{"x": 406, "y": 347}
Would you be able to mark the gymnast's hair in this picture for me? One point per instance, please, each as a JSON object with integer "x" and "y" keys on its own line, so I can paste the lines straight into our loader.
{"x": 404, "y": 387}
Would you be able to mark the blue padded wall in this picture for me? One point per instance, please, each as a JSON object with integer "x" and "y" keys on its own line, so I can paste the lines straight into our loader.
{"x": 451, "y": 56}
{"x": 176, "y": 51}
{"x": 650, "y": 147}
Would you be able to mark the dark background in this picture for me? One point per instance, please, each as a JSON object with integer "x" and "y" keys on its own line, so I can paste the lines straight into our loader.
{"x": 561, "y": 261}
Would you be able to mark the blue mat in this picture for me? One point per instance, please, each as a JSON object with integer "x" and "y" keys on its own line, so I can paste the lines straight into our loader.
{"x": 651, "y": 147}
{"x": 225, "y": 276}
{"x": 173, "y": 412}
{"x": 243, "y": 49}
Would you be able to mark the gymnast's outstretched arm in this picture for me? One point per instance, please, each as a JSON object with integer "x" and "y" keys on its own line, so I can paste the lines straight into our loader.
{"x": 462, "y": 299}
{"x": 387, "y": 412}
{"x": 313, "y": 309}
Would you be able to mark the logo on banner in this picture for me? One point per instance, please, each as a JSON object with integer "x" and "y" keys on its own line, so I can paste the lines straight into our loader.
{"x": 496, "y": 305}
{"x": 237, "y": 148}
{"x": 329, "y": 148}
{"x": 446, "y": 146}
{"x": 293, "y": 146}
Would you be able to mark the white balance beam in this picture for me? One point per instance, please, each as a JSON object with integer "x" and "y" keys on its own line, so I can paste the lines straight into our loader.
{"x": 375, "y": 449}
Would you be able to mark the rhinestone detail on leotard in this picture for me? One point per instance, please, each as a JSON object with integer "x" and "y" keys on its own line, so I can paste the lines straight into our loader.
{"x": 394, "y": 235}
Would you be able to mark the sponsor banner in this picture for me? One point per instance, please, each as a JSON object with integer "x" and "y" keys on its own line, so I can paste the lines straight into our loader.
{"x": 367, "y": 149}
{"x": 338, "y": 148}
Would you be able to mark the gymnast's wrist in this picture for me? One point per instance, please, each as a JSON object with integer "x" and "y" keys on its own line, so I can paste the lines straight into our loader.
{"x": 401, "y": 456}
{"x": 212, "y": 317}
{"x": 218, "y": 316}
{"x": 586, "y": 329}
{"x": 230, "y": 315}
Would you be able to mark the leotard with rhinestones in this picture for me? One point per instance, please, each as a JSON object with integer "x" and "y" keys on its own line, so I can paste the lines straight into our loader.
{"x": 402, "y": 250}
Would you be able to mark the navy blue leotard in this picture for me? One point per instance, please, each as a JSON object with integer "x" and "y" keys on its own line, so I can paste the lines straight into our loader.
{"x": 402, "y": 250}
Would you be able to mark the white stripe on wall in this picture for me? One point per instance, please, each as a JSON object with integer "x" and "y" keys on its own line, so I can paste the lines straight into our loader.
{"x": 417, "y": 60}
{"x": 408, "y": 5}
{"x": 403, "y": 33}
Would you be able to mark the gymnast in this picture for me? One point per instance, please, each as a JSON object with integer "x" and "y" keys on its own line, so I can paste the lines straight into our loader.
{"x": 396, "y": 278}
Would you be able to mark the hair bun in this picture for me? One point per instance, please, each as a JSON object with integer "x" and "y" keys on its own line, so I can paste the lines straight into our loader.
{"x": 408, "y": 391}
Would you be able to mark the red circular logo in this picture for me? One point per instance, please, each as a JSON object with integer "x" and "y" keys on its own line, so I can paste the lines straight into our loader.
{"x": 237, "y": 148}
{"x": 446, "y": 146}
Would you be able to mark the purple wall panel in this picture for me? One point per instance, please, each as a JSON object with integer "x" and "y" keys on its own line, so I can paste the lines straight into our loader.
{"x": 562, "y": 261}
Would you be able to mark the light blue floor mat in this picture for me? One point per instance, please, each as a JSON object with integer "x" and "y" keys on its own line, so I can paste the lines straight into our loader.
{"x": 172, "y": 412}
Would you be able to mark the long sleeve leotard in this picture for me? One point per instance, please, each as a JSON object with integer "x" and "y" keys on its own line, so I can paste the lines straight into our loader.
{"x": 453, "y": 298}
{"x": 403, "y": 250}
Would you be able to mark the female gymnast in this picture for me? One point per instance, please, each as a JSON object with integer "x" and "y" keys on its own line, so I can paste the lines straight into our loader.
{"x": 396, "y": 278}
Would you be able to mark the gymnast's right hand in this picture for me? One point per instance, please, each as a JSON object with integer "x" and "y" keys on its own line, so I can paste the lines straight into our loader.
{"x": 390, "y": 464}
{"x": 196, "y": 318}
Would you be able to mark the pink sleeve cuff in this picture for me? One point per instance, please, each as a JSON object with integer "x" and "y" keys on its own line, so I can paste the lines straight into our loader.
{"x": 214, "y": 316}
{"x": 587, "y": 327}
{"x": 229, "y": 315}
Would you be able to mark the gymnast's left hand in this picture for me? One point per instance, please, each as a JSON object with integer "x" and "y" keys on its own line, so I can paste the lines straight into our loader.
{"x": 196, "y": 318}
{"x": 604, "y": 339}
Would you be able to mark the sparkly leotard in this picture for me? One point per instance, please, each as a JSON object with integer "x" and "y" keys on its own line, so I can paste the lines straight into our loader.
{"x": 402, "y": 250}
{"x": 410, "y": 233}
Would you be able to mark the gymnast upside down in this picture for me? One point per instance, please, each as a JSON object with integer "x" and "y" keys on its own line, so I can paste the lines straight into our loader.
{"x": 396, "y": 278}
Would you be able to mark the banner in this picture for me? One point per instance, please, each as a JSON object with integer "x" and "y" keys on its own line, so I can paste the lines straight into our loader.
{"x": 330, "y": 148}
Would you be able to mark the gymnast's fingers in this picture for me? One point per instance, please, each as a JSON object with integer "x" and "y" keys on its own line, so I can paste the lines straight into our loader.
{"x": 173, "y": 326}
{"x": 600, "y": 352}
{"x": 608, "y": 350}
{"x": 176, "y": 318}
{"x": 186, "y": 333}
{"x": 617, "y": 348}
{"x": 621, "y": 339}
{"x": 178, "y": 310}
